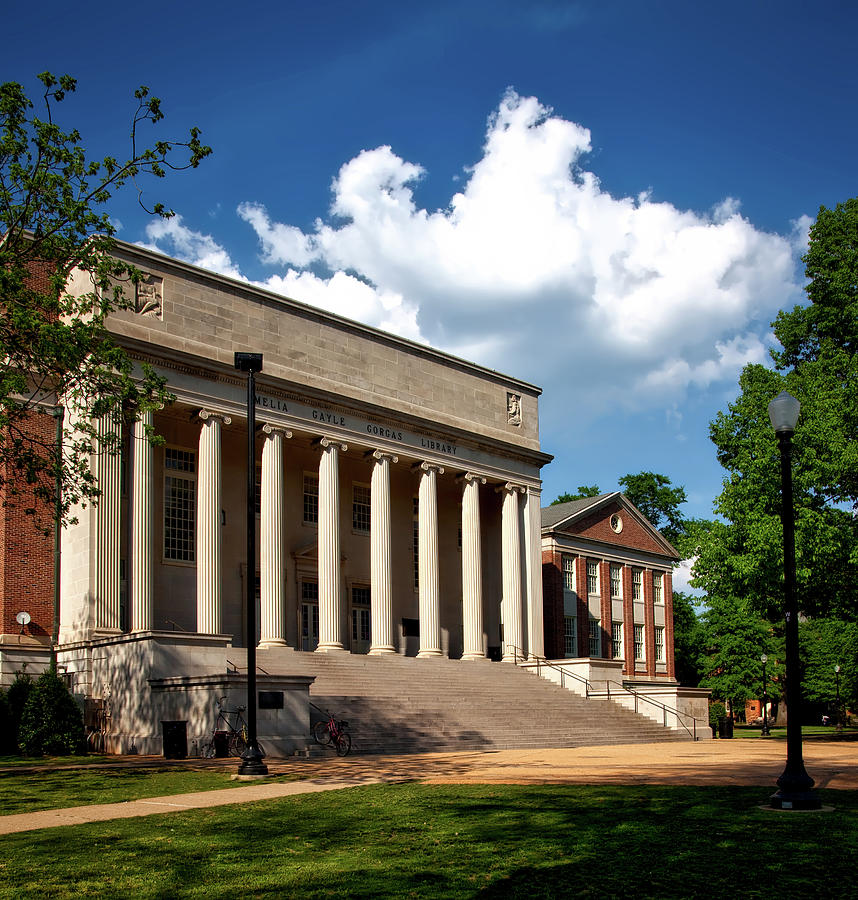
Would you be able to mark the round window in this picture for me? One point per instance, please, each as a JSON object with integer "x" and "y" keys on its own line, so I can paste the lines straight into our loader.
{"x": 616, "y": 523}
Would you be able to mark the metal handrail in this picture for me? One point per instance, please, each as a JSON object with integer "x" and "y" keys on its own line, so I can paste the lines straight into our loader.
{"x": 540, "y": 661}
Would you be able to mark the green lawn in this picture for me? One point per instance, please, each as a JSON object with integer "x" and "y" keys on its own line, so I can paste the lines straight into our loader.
{"x": 81, "y": 787}
{"x": 807, "y": 731}
{"x": 400, "y": 841}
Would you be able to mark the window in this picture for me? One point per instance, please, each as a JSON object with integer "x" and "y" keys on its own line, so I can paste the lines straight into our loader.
{"x": 361, "y": 505}
{"x": 616, "y": 580}
{"x": 180, "y": 505}
{"x": 658, "y": 587}
{"x": 617, "y": 639}
{"x": 311, "y": 498}
{"x": 592, "y": 577}
{"x": 639, "y": 642}
{"x": 309, "y": 615}
{"x": 659, "y": 643}
{"x": 568, "y": 573}
{"x": 570, "y": 632}
{"x": 360, "y": 615}
{"x": 637, "y": 584}
{"x": 595, "y": 637}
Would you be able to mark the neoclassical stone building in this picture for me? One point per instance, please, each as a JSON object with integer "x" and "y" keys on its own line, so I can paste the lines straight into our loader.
{"x": 399, "y": 505}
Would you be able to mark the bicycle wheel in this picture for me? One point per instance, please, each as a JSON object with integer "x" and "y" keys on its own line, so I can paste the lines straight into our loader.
{"x": 237, "y": 744}
{"x": 344, "y": 743}
{"x": 322, "y": 733}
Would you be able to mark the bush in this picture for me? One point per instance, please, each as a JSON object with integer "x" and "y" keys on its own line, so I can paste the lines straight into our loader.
{"x": 52, "y": 722}
{"x": 8, "y": 745}
{"x": 17, "y": 695}
{"x": 717, "y": 711}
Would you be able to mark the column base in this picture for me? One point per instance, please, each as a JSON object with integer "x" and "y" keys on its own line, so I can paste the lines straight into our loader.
{"x": 331, "y": 648}
{"x": 384, "y": 650}
{"x": 426, "y": 653}
{"x": 273, "y": 644}
{"x": 474, "y": 657}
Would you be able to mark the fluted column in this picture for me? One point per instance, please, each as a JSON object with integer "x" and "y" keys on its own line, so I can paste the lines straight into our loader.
{"x": 381, "y": 579}
{"x": 107, "y": 467}
{"x": 330, "y": 596}
{"x": 142, "y": 548}
{"x": 533, "y": 562}
{"x": 429, "y": 586}
{"x": 272, "y": 558}
{"x": 511, "y": 612}
{"x": 472, "y": 569}
{"x": 209, "y": 504}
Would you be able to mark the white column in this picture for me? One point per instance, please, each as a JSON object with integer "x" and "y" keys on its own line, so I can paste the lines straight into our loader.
{"x": 142, "y": 548}
{"x": 472, "y": 569}
{"x": 533, "y": 563}
{"x": 381, "y": 580}
{"x": 107, "y": 467}
{"x": 511, "y": 612}
{"x": 209, "y": 505}
{"x": 330, "y": 596}
{"x": 429, "y": 582}
{"x": 272, "y": 556}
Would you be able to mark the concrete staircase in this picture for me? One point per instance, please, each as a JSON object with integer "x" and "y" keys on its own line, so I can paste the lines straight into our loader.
{"x": 395, "y": 704}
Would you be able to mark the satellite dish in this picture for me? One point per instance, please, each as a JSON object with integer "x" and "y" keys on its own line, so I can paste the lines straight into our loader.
{"x": 23, "y": 618}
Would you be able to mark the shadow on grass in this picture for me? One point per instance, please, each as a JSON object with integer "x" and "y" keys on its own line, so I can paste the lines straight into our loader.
{"x": 452, "y": 841}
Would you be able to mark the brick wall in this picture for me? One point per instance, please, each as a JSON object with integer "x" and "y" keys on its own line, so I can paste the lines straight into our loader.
{"x": 26, "y": 554}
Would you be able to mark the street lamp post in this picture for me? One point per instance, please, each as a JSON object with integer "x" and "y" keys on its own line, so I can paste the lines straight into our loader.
{"x": 795, "y": 785}
{"x": 765, "y": 732}
{"x": 838, "y": 721}
{"x": 251, "y": 760}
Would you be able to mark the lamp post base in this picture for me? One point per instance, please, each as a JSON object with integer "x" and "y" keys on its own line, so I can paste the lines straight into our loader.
{"x": 251, "y": 762}
{"x": 785, "y": 799}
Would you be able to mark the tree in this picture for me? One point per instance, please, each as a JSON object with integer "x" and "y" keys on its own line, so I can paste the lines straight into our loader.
{"x": 687, "y": 640}
{"x": 584, "y": 491}
{"x": 52, "y": 722}
{"x": 53, "y": 339}
{"x": 824, "y": 644}
{"x": 654, "y": 496}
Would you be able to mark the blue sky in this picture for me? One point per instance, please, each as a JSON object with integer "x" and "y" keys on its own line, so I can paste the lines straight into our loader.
{"x": 608, "y": 199}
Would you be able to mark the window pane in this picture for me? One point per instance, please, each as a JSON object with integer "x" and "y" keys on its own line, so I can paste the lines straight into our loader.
{"x": 311, "y": 498}
{"x": 180, "y": 503}
{"x": 360, "y": 507}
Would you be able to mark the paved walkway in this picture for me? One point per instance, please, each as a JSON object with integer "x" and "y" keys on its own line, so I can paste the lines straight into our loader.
{"x": 832, "y": 764}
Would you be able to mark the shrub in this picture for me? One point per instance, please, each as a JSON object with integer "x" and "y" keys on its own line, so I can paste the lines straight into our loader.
{"x": 8, "y": 744}
{"x": 717, "y": 711}
{"x": 17, "y": 695}
{"x": 52, "y": 722}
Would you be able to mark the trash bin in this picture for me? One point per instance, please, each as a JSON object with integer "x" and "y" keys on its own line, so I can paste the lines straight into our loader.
{"x": 221, "y": 744}
{"x": 725, "y": 727}
{"x": 175, "y": 738}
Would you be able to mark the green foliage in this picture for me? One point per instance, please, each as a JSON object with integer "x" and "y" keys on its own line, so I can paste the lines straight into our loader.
{"x": 583, "y": 492}
{"x": 734, "y": 636}
{"x": 53, "y": 339}
{"x": 52, "y": 722}
{"x": 687, "y": 640}
{"x": 825, "y": 643}
{"x": 654, "y": 496}
{"x": 717, "y": 711}
{"x": 17, "y": 696}
{"x": 7, "y": 729}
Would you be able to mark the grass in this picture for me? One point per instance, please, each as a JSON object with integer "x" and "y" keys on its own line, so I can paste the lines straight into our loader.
{"x": 807, "y": 731}
{"x": 82, "y": 787}
{"x": 475, "y": 841}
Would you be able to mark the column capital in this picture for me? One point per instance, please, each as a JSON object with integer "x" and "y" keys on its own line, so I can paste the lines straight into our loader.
{"x": 511, "y": 488}
{"x": 383, "y": 454}
{"x": 276, "y": 429}
{"x": 428, "y": 467}
{"x": 331, "y": 442}
{"x": 205, "y": 414}
{"x": 468, "y": 477}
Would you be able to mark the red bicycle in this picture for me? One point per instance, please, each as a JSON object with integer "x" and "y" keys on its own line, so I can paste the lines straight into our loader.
{"x": 331, "y": 732}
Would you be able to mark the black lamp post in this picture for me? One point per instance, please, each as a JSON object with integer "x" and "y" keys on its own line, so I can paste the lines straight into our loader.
{"x": 838, "y": 720}
{"x": 251, "y": 760}
{"x": 795, "y": 785}
{"x": 765, "y": 732}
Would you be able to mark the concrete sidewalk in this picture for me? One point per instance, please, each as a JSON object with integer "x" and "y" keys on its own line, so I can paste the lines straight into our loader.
{"x": 832, "y": 764}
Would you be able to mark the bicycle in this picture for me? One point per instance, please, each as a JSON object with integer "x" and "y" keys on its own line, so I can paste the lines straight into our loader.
{"x": 331, "y": 732}
{"x": 228, "y": 735}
